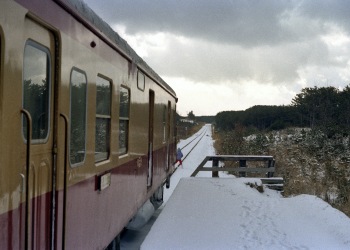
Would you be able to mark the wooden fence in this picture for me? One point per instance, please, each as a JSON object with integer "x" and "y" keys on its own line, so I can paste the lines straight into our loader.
{"x": 243, "y": 167}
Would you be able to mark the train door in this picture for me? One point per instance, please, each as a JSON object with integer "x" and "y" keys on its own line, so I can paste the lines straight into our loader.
{"x": 150, "y": 138}
{"x": 37, "y": 131}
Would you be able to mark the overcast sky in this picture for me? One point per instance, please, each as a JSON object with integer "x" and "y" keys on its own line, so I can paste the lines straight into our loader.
{"x": 231, "y": 55}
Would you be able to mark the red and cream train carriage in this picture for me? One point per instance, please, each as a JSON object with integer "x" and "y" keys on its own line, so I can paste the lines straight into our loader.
{"x": 86, "y": 128}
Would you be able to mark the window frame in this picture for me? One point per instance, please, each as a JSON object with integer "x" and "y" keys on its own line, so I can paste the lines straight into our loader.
{"x": 104, "y": 117}
{"x": 164, "y": 124}
{"x": 77, "y": 164}
{"x": 44, "y": 49}
{"x": 125, "y": 120}
{"x": 139, "y": 81}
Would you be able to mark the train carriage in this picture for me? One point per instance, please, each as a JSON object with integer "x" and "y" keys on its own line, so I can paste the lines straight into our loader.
{"x": 86, "y": 128}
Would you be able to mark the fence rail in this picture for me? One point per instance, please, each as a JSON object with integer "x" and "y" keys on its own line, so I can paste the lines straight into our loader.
{"x": 242, "y": 169}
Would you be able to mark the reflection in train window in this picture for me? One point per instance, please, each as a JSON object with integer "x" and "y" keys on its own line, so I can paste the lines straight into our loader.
{"x": 78, "y": 84}
{"x": 124, "y": 120}
{"x": 36, "y": 90}
{"x": 103, "y": 119}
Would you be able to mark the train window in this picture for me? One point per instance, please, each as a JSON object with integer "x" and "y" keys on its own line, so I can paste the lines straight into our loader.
{"x": 140, "y": 81}
{"x": 78, "y": 89}
{"x": 36, "y": 90}
{"x": 103, "y": 119}
{"x": 124, "y": 120}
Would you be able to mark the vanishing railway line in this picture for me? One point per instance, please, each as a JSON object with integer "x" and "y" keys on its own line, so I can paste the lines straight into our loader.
{"x": 197, "y": 135}
{"x": 194, "y": 142}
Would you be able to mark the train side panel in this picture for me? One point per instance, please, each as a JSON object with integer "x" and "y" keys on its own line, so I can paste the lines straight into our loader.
{"x": 85, "y": 178}
{"x": 27, "y": 58}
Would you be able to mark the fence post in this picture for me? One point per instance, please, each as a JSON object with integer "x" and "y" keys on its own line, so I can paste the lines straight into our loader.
{"x": 215, "y": 165}
{"x": 242, "y": 164}
{"x": 271, "y": 164}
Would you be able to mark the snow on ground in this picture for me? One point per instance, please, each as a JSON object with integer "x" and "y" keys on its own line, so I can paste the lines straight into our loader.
{"x": 225, "y": 213}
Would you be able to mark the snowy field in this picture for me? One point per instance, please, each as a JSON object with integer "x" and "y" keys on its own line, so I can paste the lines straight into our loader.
{"x": 225, "y": 213}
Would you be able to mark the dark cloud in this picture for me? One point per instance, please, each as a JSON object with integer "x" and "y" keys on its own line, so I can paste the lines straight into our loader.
{"x": 328, "y": 11}
{"x": 208, "y": 62}
{"x": 247, "y": 23}
{"x": 275, "y": 42}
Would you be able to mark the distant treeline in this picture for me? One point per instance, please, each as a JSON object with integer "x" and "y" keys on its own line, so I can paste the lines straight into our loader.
{"x": 196, "y": 119}
{"x": 206, "y": 119}
{"x": 326, "y": 108}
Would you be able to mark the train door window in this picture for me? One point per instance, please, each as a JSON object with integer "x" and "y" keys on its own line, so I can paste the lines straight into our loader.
{"x": 78, "y": 89}
{"x": 36, "y": 90}
{"x": 140, "y": 80}
{"x": 124, "y": 120}
{"x": 103, "y": 119}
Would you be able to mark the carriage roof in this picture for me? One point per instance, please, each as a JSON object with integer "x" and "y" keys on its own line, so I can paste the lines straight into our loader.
{"x": 84, "y": 11}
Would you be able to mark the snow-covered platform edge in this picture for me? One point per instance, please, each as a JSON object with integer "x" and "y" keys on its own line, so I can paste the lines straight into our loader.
{"x": 225, "y": 213}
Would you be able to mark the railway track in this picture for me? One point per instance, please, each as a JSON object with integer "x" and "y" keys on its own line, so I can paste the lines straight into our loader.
{"x": 197, "y": 135}
{"x": 193, "y": 143}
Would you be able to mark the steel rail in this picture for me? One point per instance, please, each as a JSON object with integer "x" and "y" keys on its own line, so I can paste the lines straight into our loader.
{"x": 204, "y": 133}
{"x": 204, "y": 130}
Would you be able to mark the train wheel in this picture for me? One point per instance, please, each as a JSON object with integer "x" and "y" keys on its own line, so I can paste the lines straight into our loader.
{"x": 157, "y": 198}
